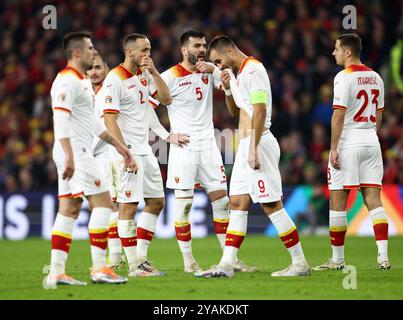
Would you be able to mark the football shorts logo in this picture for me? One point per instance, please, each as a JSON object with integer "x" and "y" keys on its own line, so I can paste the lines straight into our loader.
{"x": 108, "y": 99}
{"x": 128, "y": 193}
{"x": 205, "y": 78}
{"x": 177, "y": 179}
{"x": 143, "y": 81}
{"x": 97, "y": 182}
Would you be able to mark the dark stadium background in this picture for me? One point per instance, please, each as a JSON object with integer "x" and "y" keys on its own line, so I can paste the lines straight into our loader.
{"x": 294, "y": 40}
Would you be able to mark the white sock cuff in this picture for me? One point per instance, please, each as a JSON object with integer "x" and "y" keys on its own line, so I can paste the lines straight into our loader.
{"x": 377, "y": 211}
{"x": 184, "y": 193}
{"x": 147, "y": 221}
{"x": 100, "y": 218}
{"x": 64, "y": 224}
{"x": 182, "y": 209}
{"x": 276, "y": 217}
{"x": 238, "y": 213}
{"x": 126, "y": 228}
{"x": 337, "y": 214}
{"x": 238, "y": 221}
{"x": 220, "y": 208}
{"x": 114, "y": 217}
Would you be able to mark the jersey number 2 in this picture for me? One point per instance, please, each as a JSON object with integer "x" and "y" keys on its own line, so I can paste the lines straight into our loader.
{"x": 358, "y": 116}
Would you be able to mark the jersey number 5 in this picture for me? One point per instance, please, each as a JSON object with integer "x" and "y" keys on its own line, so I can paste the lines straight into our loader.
{"x": 358, "y": 116}
{"x": 141, "y": 98}
{"x": 199, "y": 93}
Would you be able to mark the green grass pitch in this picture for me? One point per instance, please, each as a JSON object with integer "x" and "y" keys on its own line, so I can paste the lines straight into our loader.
{"x": 22, "y": 262}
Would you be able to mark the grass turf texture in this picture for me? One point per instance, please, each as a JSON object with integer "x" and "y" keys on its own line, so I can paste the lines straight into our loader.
{"x": 22, "y": 262}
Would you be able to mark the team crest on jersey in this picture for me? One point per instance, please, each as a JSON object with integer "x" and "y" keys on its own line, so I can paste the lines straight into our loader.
{"x": 177, "y": 179}
{"x": 128, "y": 193}
{"x": 108, "y": 99}
{"x": 205, "y": 78}
{"x": 143, "y": 81}
{"x": 97, "y": 182}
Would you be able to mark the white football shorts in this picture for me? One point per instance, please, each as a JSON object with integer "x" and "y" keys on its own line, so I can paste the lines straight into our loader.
{"x": 88, "y": 179}
{"x": 106, "y": 165}
{"x": 146, "y": 183}
{"x": 190, "y": 168}
{"x": 361, "y": 166}
{"x": 263, "y": 185}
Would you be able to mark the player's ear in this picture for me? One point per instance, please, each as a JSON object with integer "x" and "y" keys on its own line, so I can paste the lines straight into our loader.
{"x": 347, "y": 53}
{"x": 76, "y": 52}
{"x": 230, "y": 51}
{"x": 129, "y": 51}
{"x": 184, "y": 51}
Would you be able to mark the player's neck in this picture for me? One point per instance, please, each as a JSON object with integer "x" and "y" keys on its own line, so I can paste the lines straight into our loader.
{"x": 352, "y": 62}
{"x": 76, "y": 66}
{"x": 240, "y": 57}
{"x": 97, "y": 86}
{"x": 188, "y": 66}
{"x": 130, "y": 65}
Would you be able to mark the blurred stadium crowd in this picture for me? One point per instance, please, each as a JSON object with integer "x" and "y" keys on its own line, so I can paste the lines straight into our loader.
{"x": 294, "y": 39}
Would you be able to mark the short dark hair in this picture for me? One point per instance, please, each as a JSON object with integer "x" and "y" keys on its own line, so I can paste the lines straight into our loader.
{"x": 220, "y": 42}
{"x": 191, "y": 34}
{"x": 351, "y": 41}
{"x": 102, "y": 59}
{"x": 132, "y": 38}
{"x": 74, "y": 40}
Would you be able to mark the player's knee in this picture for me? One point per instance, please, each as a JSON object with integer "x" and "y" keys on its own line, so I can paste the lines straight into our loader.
{"x": 372, "y": 203}
{"x": 217, "y": 195}
{"x": 272, "y": 207}
{"x": 127, "y": 209}
{"x": 238, "y": 203}
{"x": 156, "y": 205}
{"x": 71, "y": 209}
{"x": 372, "y": 198}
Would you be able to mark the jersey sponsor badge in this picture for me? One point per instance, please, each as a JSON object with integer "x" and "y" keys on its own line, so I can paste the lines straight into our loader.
{"x": 143, "y": 81}
{"x": 177, "y": 179}
{"x": 128, "y": 193}
{"x": 205, "y": 78}
{"x": 97, "y": 182}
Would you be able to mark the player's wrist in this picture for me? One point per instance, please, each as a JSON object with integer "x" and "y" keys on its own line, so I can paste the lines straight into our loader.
{"x": 228, "y": 92}
{"x": 154, "y": 72}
